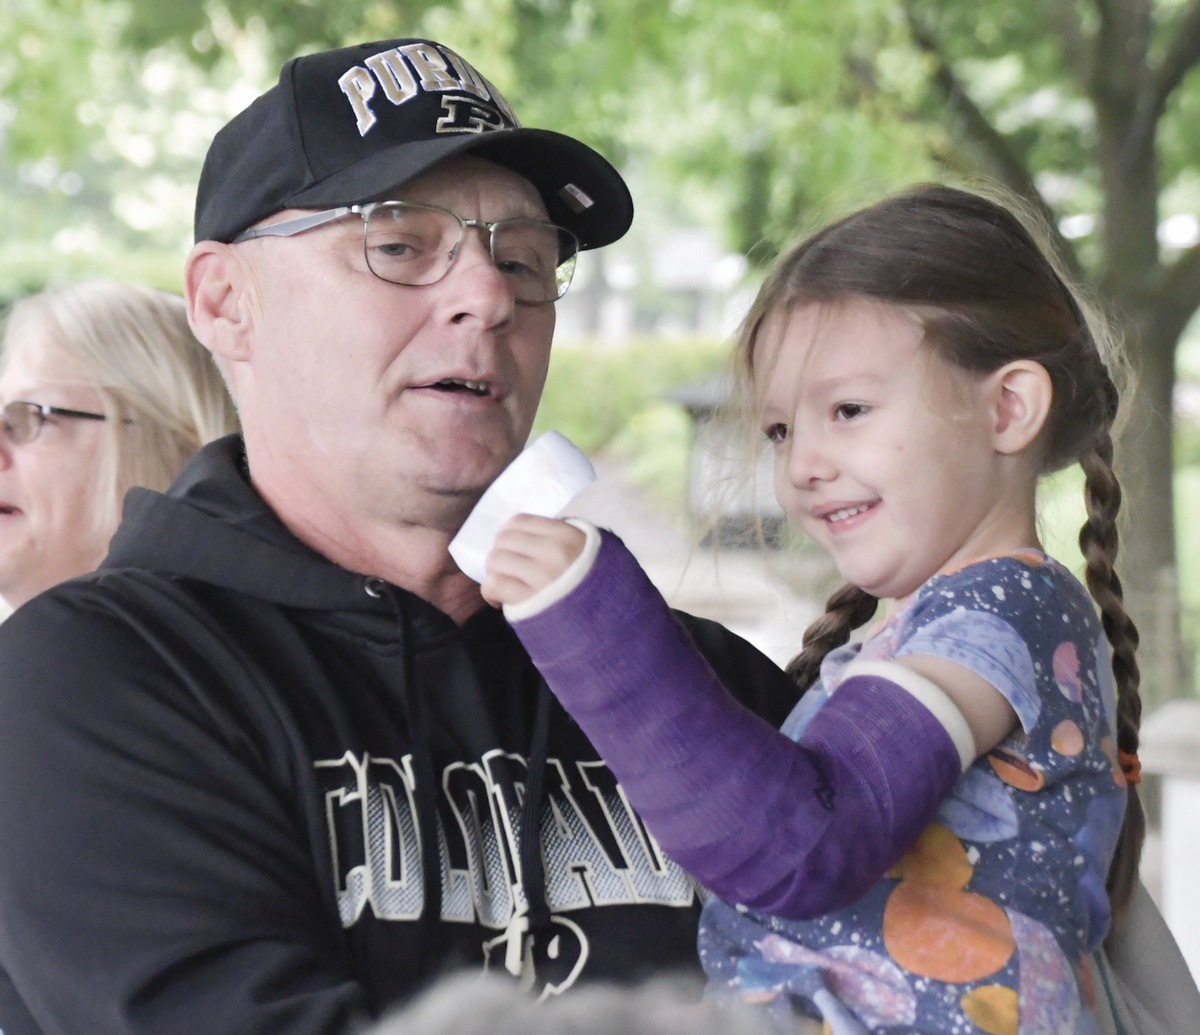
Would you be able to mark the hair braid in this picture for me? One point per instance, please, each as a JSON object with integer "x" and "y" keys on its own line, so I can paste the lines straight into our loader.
{"x": 1098, "y": 541}
{"x": 846, "y": 609}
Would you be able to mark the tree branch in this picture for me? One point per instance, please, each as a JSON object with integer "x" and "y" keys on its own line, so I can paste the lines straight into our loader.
{"x": 1123, "y": 86}
{"x": 1005, "y": 165}
{"x": 1178, "y": 290}
{"x": 1076, "y": 48}
{"x": 1181, "y": 57}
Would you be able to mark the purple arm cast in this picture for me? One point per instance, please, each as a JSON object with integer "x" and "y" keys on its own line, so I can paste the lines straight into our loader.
{"x": 794, "y": 829}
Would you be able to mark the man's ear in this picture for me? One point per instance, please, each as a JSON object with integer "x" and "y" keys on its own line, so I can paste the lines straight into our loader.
{"x": 215, "y": 286}
{"x": 1021, "y": 394}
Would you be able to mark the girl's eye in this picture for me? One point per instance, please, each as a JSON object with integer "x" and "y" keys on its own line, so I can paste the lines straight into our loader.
{"x": 848, "y": 411}
{"x": 776, "y": 433}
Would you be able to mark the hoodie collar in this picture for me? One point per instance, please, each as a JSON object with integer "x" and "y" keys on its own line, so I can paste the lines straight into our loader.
{"x": 212, "y": 525}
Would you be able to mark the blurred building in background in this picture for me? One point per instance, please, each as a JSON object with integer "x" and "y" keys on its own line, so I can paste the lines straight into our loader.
{"x": 682, "y": 285}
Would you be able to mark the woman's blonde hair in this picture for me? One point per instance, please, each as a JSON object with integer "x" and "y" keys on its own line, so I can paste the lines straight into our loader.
{"x": 161, "y": 390}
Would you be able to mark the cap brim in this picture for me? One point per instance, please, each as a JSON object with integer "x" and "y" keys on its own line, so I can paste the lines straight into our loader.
{"x": 567, "y": 173}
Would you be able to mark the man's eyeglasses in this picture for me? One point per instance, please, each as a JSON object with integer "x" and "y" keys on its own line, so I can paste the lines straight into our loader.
{"x": 415, "y": 245}
{"x": 22, "y": 421}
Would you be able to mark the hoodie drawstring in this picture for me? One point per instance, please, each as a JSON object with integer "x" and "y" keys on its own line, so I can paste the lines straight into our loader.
{"x": 425, "y": 786}
{"x": 533, "y": 870}
{"x": 536, "y": 920}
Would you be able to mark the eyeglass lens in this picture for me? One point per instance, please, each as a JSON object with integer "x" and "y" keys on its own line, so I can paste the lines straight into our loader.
{"x": 22, "y": 422}
{"x": 415, "y": 245}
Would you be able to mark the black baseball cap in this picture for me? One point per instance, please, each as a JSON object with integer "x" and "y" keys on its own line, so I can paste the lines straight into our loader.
{"x": 346, "y": 126}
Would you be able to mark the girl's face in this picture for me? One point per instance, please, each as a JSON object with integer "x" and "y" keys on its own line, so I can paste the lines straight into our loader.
{"x": 48, "y": 487}
{"x": 883, "y": 452}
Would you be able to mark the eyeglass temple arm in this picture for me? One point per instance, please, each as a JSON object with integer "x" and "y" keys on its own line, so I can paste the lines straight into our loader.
{"x": 296, "y": 226}
{"x": 63, "y": 412}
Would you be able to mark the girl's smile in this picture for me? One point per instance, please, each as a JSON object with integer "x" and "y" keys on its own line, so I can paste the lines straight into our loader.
{"x": 843, "y": 517}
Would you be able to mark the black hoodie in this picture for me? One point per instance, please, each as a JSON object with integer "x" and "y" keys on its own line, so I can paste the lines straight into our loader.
{"x": 221, "y": 756}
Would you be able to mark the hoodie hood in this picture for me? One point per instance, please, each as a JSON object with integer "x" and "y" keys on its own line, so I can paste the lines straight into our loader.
{"x": 212, "y": 526}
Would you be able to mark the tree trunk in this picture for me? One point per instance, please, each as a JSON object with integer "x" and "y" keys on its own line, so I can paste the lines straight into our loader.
{"x": 1145, "y": 458}
{"x": 1146, "y": 561}
{"x": 1132, "y": 284}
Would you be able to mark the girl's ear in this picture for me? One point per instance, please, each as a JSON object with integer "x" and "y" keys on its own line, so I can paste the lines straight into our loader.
{"x": 1021, "y": 394}
{"x": 215, "y": 285}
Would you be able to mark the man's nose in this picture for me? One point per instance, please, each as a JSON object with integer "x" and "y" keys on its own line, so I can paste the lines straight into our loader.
{"x": 480, "y": 289}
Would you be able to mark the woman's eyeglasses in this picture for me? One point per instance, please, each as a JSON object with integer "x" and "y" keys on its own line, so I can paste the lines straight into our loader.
{"x": 22, "y": 421}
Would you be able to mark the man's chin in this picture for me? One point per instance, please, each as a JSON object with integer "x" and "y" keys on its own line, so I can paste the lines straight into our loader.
{"x": 467, "y": 459}
{"x": 457, "y": 498}
{"x": 455, "y": 474}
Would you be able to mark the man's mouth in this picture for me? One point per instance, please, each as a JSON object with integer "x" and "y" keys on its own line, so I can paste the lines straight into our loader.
{"x": 462, "y": 384}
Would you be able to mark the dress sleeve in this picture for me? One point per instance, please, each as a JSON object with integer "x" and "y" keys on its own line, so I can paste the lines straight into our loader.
{"x": 1002, "y": 619}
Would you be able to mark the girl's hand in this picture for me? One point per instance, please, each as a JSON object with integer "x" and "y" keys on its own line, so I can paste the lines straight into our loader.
{"x": 529, "y": 553}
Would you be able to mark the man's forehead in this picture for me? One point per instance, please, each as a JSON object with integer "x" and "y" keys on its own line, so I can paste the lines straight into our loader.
{"x": 469, "y": 178}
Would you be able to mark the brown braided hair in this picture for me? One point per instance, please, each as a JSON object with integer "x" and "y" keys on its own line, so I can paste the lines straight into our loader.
{"x": 987, "y": 291}
{"x": 848, "y": 608}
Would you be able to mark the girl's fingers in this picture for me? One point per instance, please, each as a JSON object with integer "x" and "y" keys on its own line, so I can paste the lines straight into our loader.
{"x": 529, "y": 553}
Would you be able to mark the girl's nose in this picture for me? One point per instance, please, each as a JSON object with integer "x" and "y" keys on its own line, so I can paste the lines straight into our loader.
{"x": 808, "y": 462}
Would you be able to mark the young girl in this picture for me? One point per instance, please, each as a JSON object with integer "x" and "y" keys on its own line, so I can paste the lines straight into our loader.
{"x": 926, "y": 844}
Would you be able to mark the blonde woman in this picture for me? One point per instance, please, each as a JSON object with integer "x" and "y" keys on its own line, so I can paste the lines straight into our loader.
{"x": 102, "y": 387}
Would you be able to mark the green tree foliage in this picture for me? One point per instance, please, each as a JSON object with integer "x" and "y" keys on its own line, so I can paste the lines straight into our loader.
{"x": 100, "y": 145}
{"x": 760, "y": 116}
{"x": 751, "y": 102}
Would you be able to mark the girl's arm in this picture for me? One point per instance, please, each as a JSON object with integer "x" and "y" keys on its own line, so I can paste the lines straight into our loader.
{"x": 791, "y": 828}
{"x": 988, "y": 714}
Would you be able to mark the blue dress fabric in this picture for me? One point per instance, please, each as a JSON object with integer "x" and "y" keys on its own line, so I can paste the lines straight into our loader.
{"x": 983, "y": 925}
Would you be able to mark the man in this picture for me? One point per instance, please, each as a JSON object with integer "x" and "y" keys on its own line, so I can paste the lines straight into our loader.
{"x": 234, "y": 757}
